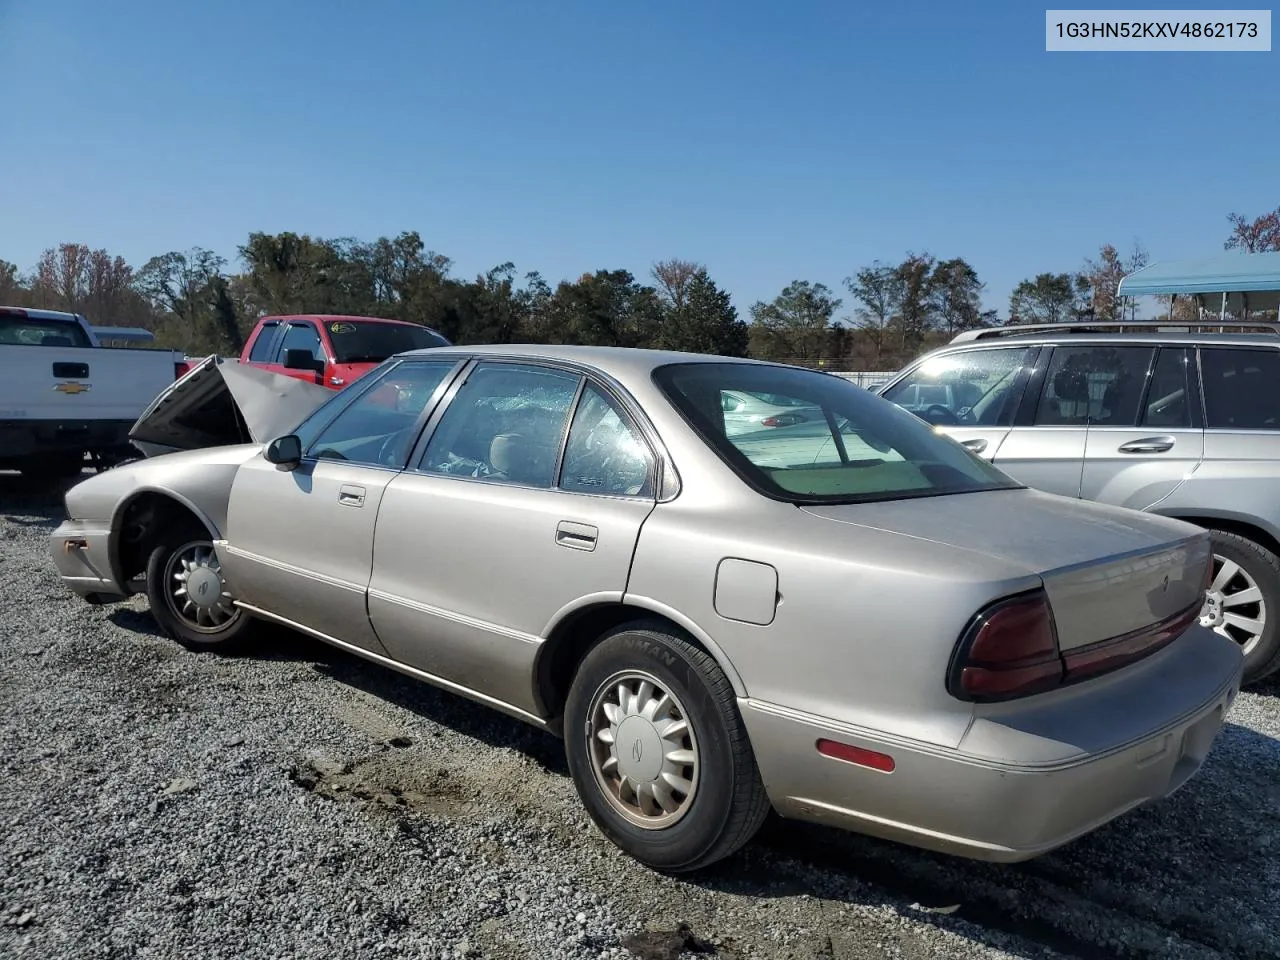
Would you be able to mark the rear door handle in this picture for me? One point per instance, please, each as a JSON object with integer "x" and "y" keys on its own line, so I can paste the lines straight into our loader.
{"x": 977, "y": 445}
{"x": 350, "y": 495}
{"x": 1148, "y": 445}
{"x": 576, "y": 536}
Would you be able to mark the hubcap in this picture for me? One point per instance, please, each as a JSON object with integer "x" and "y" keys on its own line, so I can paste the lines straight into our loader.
{"x": 196, "y": 591}
{"x": 1233, "y": 605}
{"x": 643, "y": 750}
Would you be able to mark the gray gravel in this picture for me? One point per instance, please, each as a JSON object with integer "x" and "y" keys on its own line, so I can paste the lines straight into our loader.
{"x": 302, "y": 803}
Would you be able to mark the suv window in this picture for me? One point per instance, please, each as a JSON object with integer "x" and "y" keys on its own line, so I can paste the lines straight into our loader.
{"x": 856, "y": 449}
{"x": 300, "y": 336}
{"x": 1093, "y": 385}
{"x": 261, "y": 352}
{"x": 974, "y": 387}
{"x": 604, "y": 453}
{"x": 1241, "y": 388}
{"x": 505, "y": 424}
{"x": 379, "y": 427}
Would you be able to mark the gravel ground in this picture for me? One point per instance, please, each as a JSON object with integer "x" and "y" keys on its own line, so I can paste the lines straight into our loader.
{"x": 302, "y": 803}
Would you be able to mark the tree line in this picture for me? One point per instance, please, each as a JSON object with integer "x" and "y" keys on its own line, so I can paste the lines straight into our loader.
{"x": 191, "y": 300}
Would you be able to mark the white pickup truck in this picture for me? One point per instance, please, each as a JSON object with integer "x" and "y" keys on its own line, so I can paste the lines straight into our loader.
{"x": 64, "y": 396}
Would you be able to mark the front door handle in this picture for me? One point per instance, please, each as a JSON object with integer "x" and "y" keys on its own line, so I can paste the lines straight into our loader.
{"x": 977, "y": 444}
{"x": 1148, "y": 445}
{"x": 576, "y": 536}
{"x": 350, "y": 495}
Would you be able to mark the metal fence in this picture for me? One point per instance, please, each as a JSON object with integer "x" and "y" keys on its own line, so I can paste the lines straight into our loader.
{"x": 865, "y": 378}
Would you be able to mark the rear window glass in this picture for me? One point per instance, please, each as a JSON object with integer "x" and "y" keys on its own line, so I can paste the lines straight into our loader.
{"x": 363, "y": 341}
{"x": 837, "y": 443}
{"x": 30, "y": 332}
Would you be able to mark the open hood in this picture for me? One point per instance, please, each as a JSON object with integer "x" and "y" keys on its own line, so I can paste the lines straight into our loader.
{"x": 219, "y": 402}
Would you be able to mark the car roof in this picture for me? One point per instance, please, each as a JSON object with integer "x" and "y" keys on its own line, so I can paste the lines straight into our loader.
{"x": 614, "y": 361}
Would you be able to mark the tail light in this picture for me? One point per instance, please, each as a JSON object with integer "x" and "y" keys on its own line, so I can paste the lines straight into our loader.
{"x": 782, "y": 420}
{"x": 1011, "y": 650}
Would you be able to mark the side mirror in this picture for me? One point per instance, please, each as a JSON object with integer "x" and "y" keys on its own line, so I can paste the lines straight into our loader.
{"x": 284, "y": 451}
{"x": 296, "y": 359}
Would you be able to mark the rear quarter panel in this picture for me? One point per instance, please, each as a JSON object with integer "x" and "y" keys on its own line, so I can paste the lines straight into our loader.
{"x": 865, "y": 620}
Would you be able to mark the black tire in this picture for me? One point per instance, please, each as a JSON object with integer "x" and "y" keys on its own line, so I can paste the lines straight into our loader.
{"x": 1263, "y": 566}
{"x": 727, "y": 804}
{"x": 228, "y": 637}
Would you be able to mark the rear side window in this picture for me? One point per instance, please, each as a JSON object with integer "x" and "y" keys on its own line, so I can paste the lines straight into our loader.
{"x": 30, "y": 332}
{"x": 1241, "y": 388}
{"x": 261, "y": 352}
{"x": 840, "y": 445}
{"x": 1097, "y": 386}
{"x": 1168, "y": 399}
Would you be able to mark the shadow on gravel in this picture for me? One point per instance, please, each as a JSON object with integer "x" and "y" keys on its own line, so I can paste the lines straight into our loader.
{"x": 1189, "y": 871}
{"x": 447, "y": 709}
{"x": 1181, "y": 878}
{"x": 28, "y": 498}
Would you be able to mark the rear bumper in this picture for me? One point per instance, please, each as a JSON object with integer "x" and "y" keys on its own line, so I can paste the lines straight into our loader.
{"x": 23, "y": 439}
{"x": 81, "y": 551}
{"x": 1024, "y": 801}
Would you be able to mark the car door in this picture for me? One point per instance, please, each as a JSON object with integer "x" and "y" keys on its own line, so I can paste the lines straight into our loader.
{"x": 300, "y": 542}
{"x": 505, "y": 522}
{"x": 1076, "y": 385}
{"x": 1137, "y": 464}
{"x": 970, "y": 394}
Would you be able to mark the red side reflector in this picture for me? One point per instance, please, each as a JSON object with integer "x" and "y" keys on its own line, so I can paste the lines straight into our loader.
{"x": 851, "y": 754}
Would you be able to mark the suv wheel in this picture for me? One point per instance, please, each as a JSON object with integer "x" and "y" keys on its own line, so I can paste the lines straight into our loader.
{"x": 1243, "y": 601}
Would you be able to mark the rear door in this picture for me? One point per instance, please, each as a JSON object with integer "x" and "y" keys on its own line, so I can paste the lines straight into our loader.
{"x": 1075, "y": 387}
{"x": 970, "y": 395}
{"x": 526, "y": 502}
{"x": 1139, "y": 465}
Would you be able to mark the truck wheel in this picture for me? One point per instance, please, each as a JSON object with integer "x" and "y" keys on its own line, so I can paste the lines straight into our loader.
{"x": 189, "y": 598}
{"x": 1243, "y": 601}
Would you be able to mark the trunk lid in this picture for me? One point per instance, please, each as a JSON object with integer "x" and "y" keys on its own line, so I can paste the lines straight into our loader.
{"x": 1108, "y": 571}
{"x": 222, "y": 402}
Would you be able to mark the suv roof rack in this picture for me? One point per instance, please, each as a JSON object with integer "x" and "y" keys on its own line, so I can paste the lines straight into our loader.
{"x": 1118, "y": 326}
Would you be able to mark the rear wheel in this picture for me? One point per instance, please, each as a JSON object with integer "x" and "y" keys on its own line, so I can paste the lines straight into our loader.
{"x": 189, "y": 597}
{"x": 1243, "y": 601}
{"x": 658, "y": 750}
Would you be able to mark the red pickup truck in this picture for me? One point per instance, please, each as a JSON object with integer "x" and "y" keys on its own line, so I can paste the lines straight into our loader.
{"x": 331, "y": 350}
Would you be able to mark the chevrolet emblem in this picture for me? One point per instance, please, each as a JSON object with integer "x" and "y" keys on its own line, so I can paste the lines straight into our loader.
{"x": 71, "y": 387}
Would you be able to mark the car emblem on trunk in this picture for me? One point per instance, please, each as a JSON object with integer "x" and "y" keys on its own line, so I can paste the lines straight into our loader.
{"x": 71, "y": 387}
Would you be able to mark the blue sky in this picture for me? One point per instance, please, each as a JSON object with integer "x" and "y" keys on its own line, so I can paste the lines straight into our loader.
{"x": 770, "y": 141}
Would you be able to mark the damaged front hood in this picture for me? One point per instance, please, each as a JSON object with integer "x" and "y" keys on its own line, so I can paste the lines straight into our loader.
{"x": 221, "y": 402}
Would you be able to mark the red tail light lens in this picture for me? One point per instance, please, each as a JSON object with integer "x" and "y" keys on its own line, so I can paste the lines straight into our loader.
{"x": 1010, "y": 650}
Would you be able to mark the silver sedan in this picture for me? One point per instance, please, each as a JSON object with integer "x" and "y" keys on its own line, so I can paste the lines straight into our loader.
{"x": 860, "y": 624}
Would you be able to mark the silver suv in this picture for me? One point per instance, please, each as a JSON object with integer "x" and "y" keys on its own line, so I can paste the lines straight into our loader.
{"x": 1175, "y": 422}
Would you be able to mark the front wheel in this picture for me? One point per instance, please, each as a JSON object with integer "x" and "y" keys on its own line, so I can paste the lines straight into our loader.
{"x": 658, "y": 751}
{"x": 189, "y": 598}
{"x": 1243, "y": 601}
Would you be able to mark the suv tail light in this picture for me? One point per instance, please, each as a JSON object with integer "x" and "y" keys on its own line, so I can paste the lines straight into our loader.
{"x": 1010, "y": 650}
